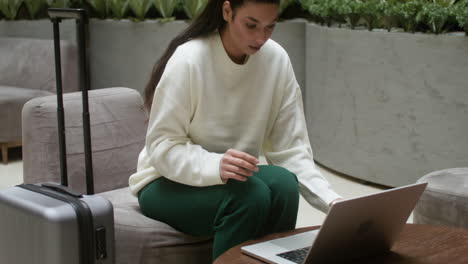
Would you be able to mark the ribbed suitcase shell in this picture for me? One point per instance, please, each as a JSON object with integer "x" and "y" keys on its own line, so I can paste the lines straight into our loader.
{"x": 37, "y": 229}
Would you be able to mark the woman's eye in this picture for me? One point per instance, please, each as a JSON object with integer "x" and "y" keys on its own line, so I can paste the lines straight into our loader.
{"x": 251, "y": 26}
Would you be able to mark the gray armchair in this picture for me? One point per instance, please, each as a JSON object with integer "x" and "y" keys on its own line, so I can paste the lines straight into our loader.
{"x": 27, "y": 71}
{"x": 118, "y": 128}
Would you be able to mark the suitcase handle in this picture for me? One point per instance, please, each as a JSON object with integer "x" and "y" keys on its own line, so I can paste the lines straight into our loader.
{"x": 76, "y": 13}
{"x": 56, "y": 15}
{"x": 61, "y": 189}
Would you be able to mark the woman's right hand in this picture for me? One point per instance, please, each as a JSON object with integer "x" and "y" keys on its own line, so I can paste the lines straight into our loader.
{"x": 237, "y": 165}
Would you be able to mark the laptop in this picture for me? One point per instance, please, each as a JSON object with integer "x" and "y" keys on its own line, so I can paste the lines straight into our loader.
{"x": 353, "y": 228}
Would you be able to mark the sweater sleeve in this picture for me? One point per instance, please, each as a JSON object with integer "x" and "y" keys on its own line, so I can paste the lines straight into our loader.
{"x": 287, "y": 145}
{"x": 168, "y": 145}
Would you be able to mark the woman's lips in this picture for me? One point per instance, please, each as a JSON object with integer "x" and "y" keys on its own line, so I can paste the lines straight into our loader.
{"x": 255, "y": 47}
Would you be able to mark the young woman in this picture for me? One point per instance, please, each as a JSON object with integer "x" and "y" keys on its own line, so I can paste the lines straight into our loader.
{"x": 223, "y": 93}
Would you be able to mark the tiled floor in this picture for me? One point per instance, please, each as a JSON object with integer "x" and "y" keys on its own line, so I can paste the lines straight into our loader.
{"x": 343, "y": 185}
{"x": 12, "y": 174}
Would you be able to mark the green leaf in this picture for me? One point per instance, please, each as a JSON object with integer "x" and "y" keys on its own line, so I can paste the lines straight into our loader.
{"x": 118, "y": 8}
{"x": 101, "y": 7}
{"x": 139, "y": 7}
{"x": 304, "y": 4}
{"x": 193, "y": 8}
{"x": 408, "y": 15}
{"x": 10, "y": 8}
{"x": 445, "y": 3}
{"x": 284, "y": 4}
{"x": 460, "y": 11}
{"x": 34, "y": 6}
{"x": 434, "y": 16}
{"x": 370, "y": 13}
{"x": 351, "y": 10}
{"x": 387, "y": 16}
{"x": 165, "y": 7}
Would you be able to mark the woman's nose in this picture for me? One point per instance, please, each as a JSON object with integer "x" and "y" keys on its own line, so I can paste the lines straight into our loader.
{"x": 261, "y": 37}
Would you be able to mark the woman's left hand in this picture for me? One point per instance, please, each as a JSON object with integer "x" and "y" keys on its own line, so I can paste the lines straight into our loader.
{"x": 237, "y": 165}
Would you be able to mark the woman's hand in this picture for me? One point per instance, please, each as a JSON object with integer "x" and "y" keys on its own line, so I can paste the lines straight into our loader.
{"x": 237, "y": 165}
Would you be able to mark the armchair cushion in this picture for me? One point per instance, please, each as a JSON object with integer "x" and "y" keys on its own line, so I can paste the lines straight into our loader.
{"x": 139, "y": 239}
{"x": 118, "y": 131}
{"x": 12, "y": 100}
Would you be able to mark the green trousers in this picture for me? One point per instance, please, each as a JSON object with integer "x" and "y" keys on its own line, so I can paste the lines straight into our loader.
{"x": 232, "y": 213}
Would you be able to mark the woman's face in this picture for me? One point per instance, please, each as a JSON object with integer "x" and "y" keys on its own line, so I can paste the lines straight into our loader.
{"x": 247, "y": 28}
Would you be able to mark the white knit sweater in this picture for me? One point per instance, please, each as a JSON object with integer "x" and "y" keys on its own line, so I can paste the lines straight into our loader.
{"x": 205, "y": 104}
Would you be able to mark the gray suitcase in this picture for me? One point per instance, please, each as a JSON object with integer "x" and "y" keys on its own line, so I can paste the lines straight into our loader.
{"x": 45, "y": 226}
{"x": 48, "y": 223}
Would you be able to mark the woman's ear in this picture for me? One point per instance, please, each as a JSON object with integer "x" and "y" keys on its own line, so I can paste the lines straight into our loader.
{"x": 227, "y": 11}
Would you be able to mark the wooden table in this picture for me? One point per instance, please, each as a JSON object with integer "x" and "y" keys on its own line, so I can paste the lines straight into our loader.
{"x": 421, "y": 244}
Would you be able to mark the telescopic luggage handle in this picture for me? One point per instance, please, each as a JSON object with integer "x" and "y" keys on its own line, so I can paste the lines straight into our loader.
{"x": 81, "y": 17}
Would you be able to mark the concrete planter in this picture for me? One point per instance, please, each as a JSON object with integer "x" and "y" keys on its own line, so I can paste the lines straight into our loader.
{"x": 383, "y": 107}
{"x": 387, "y": 107}
{"x": 122, "y": 53}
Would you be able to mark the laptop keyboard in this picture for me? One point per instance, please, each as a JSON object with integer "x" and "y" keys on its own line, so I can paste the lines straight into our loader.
{"x": 296, "y": 256}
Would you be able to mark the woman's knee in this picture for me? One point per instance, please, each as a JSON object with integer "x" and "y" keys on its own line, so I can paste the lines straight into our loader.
{"x": 279, "y": 179}
{"x": 252, "y": 196}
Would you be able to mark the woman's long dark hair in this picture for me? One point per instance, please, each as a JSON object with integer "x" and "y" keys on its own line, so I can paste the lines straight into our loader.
{"x": 207, "y": 22}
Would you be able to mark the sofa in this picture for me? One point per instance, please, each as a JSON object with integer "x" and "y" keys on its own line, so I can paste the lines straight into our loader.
{"x": 118, "y": 128}
{"x": 27, "y": 71}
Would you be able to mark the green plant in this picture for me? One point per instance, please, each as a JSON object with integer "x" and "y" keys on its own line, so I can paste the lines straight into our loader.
{"x": 329, "y": 11}
{"x": 284, "y": 4}
{"x": 370, "y": 13}
{"x": 165, "y": 7}
{"x": 317, "y": 11}
{"x": 445, "y": 2}
{"x": 434, "y": 16}
{"x": 339, "y": 7}
{"x": 351, "y": 10}
{"x": 34, "y": 6}
{"x": 304, "y": 4}
{"x": 101, "y": 7}
{"x": 320, "y": 11}
{"x": 460, "y": 12}
{"x": 118, "y": 8}
{"x": 406, "y": 14}
{"x": 193, "y": 8}
{"x": 387, "y": 10}
{"x": 10, "y": 8}
{"x": 139, "y": 8}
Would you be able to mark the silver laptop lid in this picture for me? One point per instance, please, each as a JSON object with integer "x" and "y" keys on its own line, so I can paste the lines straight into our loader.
{"x": 364, "y": 225}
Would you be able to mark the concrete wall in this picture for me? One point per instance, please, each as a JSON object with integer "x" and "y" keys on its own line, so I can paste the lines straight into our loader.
{"x": 41, "y": 29}
{"x": 387, "y": 108}
{"x": 122, "y": 53}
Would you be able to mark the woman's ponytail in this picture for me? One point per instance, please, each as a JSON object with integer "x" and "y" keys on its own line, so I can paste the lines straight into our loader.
{"x": 207, "y": 22}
